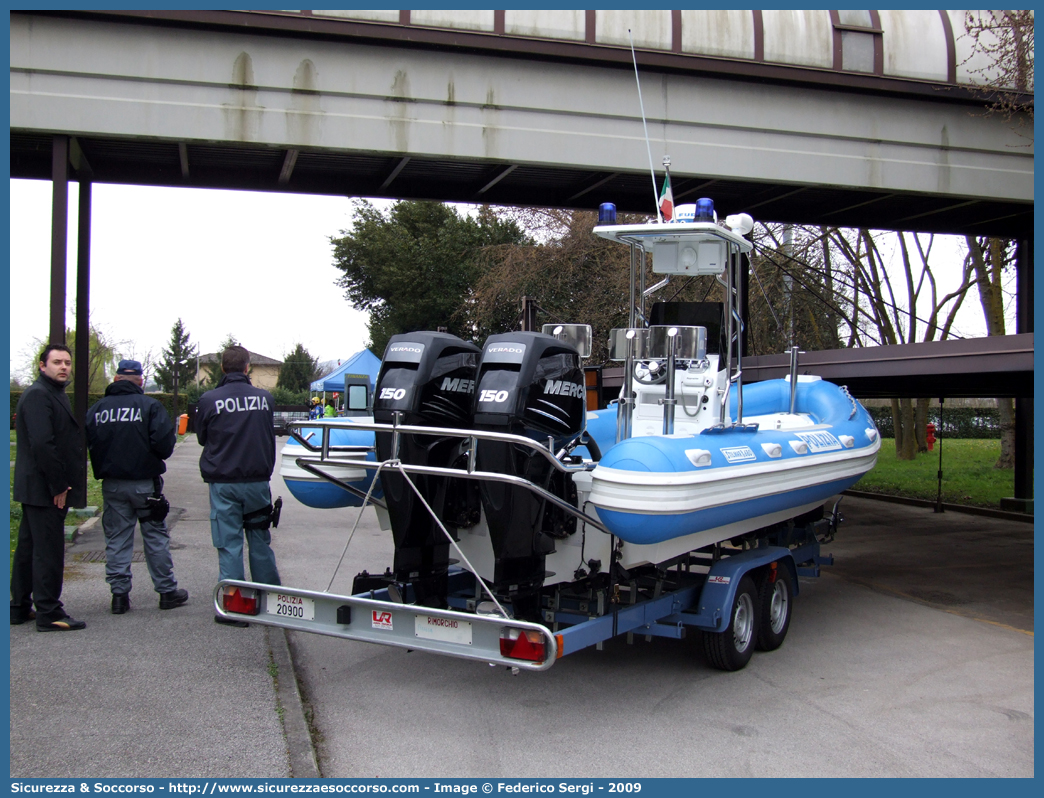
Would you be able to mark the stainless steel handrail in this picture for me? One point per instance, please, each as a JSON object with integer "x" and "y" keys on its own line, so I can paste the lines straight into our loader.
{"x": 738, "y": 376}
{"x": 311, "y": 467}
{"x": 447, "y": 432}
{"x": 793, "y": 377}
{"x": 669, "y": 400}
{"x": 488, "y": 476}
{"x": 471, "y": 473}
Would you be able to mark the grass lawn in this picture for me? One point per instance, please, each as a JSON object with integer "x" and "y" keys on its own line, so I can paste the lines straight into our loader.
{"x": 968, "y": 474}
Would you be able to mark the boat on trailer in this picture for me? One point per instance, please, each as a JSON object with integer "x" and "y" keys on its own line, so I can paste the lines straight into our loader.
{"x": 514, "y": 507}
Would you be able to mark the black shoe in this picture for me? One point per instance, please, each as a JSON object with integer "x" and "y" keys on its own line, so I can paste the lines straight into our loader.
{"x": 230, "y": 622}
{"x": 120, "y": 603}
{"x": 174, "y": 598}
{"x": 20, "y": 617}
{"x": 66, "y": 624}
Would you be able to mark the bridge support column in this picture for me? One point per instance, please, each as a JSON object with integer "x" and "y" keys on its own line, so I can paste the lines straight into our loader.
{"x": 62, "y": 151}
{"x": 59, "y": 236}
{"x": 82, "y": 345}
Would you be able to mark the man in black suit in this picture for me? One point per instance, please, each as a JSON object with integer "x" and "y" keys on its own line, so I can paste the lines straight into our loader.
{"x": 48, "y": 479}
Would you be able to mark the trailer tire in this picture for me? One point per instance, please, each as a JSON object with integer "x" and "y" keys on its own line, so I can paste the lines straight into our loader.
{"x": 775, "y": 604}
{"x": 731, "y": 649}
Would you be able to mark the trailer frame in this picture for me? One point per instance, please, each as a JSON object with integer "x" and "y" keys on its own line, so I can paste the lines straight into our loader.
{"x": 387, "y": 616}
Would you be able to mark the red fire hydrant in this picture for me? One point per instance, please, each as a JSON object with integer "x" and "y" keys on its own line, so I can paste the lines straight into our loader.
{"x": 930, "y": 435}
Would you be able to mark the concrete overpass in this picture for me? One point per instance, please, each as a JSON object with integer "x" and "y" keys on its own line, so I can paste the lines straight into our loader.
{"x": 843, "y": 118}
{"x": 860, "y": 118}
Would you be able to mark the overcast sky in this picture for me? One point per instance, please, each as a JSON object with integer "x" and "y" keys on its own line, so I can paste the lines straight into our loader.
{"x": 256, "y": 265}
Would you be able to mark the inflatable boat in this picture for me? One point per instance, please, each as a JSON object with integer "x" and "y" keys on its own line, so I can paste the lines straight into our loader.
{"x": 779, "y": 464}
{"x": 489, "y": 456}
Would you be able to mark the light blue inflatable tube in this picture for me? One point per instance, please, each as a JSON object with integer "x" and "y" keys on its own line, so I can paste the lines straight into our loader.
{"x": 314, "y": 491}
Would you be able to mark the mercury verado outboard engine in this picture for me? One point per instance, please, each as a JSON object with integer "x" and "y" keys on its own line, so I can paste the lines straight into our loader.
{"x": 429, "y": 378}
{"x": 528, "y": 384}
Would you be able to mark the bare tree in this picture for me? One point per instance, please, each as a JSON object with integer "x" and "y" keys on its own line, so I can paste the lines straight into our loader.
{"x": 127, "y": 350}
{"x": 848, "y": 289}
{"x": 1001, "y": 61}
{"x": 872, "y": 299}
{"x": 573, "y": 275}
{"x": 793, "y": 288}
{"x": 905, "y": 325}
{"x": 102, "y": 357}
{"x": 326, "y": 368}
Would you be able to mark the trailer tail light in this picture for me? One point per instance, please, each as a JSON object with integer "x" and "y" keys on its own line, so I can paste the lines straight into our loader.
{"x": 243, "y": 600}
{"x": 522, "y": 644}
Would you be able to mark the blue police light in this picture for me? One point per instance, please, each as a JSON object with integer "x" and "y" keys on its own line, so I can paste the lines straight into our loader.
{"x": 607, "y": 213}
{"x": 704, "y": 210}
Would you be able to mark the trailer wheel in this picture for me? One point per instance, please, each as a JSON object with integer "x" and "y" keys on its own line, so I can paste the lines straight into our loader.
{"x": 775, "y": 602}
{"x": 732, "y": 649}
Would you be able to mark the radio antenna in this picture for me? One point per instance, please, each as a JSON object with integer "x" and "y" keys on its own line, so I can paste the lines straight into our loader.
{"x": 648, "y": 148}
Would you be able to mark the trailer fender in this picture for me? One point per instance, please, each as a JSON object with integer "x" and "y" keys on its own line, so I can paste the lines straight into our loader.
{"x": 719, "y": 591}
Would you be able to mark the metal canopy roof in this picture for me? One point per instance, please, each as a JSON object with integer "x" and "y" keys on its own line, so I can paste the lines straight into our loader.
{"x": 999, "y": 365}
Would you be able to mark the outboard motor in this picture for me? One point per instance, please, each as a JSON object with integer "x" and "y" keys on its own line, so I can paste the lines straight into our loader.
{"x": 528, "y": 384}
{"x": 429, "y": 378}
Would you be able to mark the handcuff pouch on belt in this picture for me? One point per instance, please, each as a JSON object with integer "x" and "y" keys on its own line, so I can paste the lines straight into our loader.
{"x": 267, "y": 516}
{"x": 156, "y": 504}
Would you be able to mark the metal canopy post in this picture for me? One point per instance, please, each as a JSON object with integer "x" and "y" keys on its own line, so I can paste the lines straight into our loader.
{"x": 1023, "y": 500}
{"x": 938, "y": 497}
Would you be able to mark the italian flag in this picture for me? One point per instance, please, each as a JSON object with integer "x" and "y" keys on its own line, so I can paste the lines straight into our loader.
{"x": 667, "y": 199}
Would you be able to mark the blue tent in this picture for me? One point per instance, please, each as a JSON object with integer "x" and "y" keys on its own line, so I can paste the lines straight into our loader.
{"x": 364, "y": 362}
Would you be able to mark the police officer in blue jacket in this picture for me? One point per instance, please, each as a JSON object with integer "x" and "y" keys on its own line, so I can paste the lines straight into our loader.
{"x": 129, "y": 435}
{"x": 234, "y": 426}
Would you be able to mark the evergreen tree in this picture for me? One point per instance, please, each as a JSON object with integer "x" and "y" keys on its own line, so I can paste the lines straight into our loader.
{"x": 213, "y": 369}
{"x": 298, "y": 371}
{"x": 415, "y": 267}
{"x": 178, "y": 361}
{"x": 177, "y": 369}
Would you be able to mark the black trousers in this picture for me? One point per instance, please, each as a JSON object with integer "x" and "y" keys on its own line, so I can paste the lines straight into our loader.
{"x": 39, "y": 562}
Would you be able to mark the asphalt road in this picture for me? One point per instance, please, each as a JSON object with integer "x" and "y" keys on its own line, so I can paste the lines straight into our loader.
{"x": 151, "y": 693}
{"x": 912, "y": 656}
{"x": 874, "y": 679}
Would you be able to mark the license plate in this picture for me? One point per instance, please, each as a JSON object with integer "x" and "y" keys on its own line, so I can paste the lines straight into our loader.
{"x": 287, "y": 606}
{"x": 449, "y": 630}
